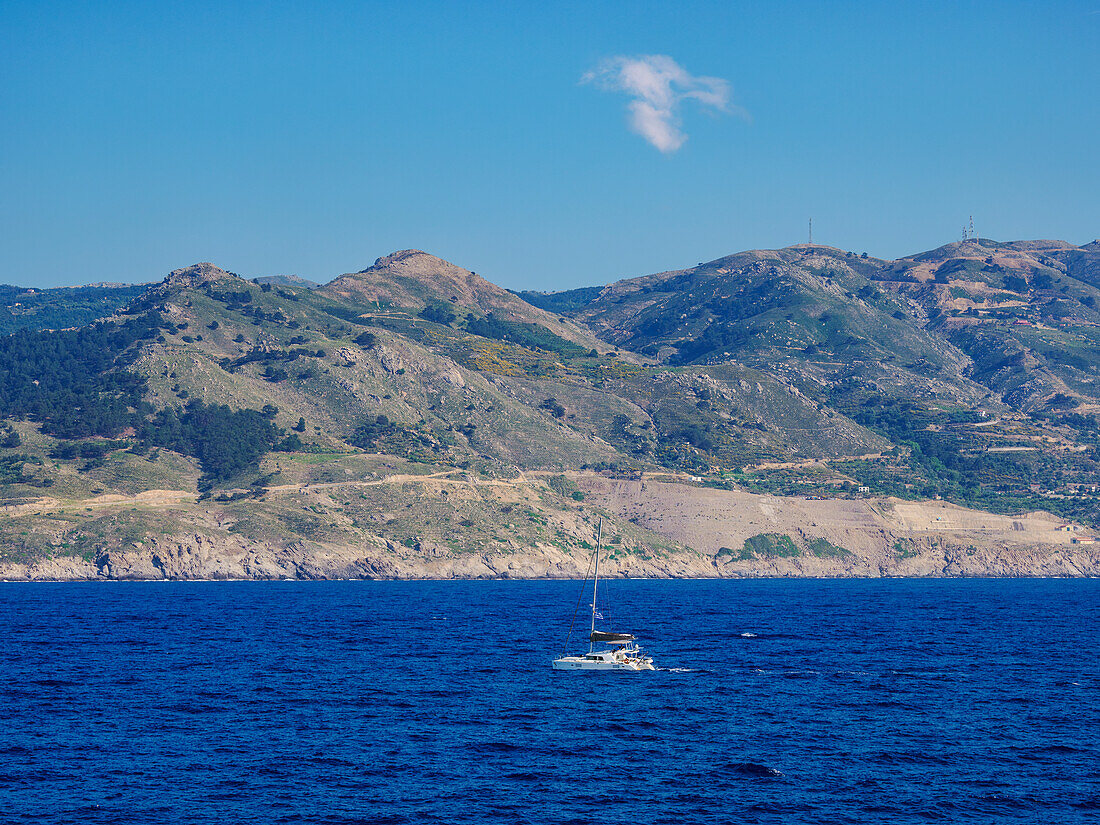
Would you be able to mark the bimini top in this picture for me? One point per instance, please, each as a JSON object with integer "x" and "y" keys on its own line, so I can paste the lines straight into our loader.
{"x": 611, "y": 638}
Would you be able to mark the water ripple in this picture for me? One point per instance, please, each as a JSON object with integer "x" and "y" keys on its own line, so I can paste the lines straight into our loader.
{"x": 433, "y": 702}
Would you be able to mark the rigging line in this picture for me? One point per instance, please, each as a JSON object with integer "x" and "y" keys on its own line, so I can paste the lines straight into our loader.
{"x": 580, "y": 595}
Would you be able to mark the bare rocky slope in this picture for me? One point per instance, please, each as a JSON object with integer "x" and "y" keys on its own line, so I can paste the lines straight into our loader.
{"x": 703, "y": 533}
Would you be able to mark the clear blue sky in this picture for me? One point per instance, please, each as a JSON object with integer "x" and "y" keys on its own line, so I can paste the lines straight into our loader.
{"x": 310, "y": 138}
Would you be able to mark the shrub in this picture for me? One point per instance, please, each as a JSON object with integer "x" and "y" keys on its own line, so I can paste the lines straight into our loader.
{"x": 531, "y": 336}
{"x": 438, "y": 314}
{"x": 290, "y": 444}
{"x": 774, "y": 545}
{"x": 553, "y": 406}
{"x": 1042, "y": 280}
{"x": 823, "y": 548}
{"x": 905, "y": 548}
{"x": 368, "y": 433}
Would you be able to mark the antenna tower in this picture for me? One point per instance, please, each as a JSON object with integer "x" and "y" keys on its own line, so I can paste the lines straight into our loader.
{"x": 811, "y": 231}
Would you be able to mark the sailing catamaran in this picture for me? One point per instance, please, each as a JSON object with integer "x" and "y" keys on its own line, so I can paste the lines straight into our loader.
{"x": 624, "y": 653}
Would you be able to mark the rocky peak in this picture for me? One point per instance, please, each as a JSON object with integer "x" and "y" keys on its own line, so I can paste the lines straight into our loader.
{"x": 415, "y": 278}
{"x": 413, "y": 263}
{"x": 408, "y": 257}
{"x": 195, "y": 275}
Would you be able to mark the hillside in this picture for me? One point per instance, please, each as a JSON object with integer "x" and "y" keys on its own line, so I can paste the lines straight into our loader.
{"x": 414, "y": 419}
{"x": 1025, "y": 312}
{"x": 414, "y": 280}
{"x": 974, "y": 352}
{"x": 815, "y": 313}
{"x": 61, "y": 307}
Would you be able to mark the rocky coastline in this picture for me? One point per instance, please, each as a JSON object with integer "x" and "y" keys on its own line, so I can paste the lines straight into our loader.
{"x": 198, "y": 557}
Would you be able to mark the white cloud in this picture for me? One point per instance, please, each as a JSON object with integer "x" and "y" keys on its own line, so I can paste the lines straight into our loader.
{"x": 658, "y": 84}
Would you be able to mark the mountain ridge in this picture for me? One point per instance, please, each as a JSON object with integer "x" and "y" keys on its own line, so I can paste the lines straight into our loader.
{"x": 308, "y": 422}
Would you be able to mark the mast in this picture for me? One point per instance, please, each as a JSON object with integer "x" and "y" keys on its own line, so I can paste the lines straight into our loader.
{"x": 595, "y": 584}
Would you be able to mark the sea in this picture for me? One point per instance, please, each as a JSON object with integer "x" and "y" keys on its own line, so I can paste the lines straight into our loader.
{"x": 775, "y": 701}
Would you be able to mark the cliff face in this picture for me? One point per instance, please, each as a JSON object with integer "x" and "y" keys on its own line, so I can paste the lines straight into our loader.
{"x": 193, "y": 558}
{"x": 201, "y": 557}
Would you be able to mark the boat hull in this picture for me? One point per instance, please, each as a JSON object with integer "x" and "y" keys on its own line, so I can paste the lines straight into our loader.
{"x": 611, "y": 663}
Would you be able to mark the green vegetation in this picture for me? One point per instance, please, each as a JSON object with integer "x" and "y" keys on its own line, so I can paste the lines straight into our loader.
{"x": 269, "y": 357}
{"x": 12, "y": 470}
{"x": 946, "y": 453}
{"x": 744, "y": 554}
{"x": 224, "y": 441}
{"x": 532, "y": 336}
{"x": 565, "y": 487}
{"x": 345, "y": 313}
{"x": 39, "y": 309}
{"x": 438, "y": 313}
{"x": 416, "y": 443}
{"x": 568, "y": 301}
{"x": 366, "y": 340}
{"x": 554, "y": 407}
{"x": 773, "y": 545}
{"x": 367, "y": 434}
{"x": 905, "y": 548}
{"x": 9, "y": 437}
{"x": 74, "y": 381}
{"x": 823, "y": 548}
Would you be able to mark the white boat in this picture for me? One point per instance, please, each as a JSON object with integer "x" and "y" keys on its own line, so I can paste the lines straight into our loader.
{"x": 622, "y": 652}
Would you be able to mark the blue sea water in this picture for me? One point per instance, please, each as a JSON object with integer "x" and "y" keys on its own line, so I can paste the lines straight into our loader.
{"x": 883, "y": 701}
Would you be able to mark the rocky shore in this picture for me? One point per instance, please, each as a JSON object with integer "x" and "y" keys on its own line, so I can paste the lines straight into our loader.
{"x": 199, "y": 557}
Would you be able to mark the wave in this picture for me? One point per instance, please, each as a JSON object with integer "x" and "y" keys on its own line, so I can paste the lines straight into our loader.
{"x": 753, "y": 770}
